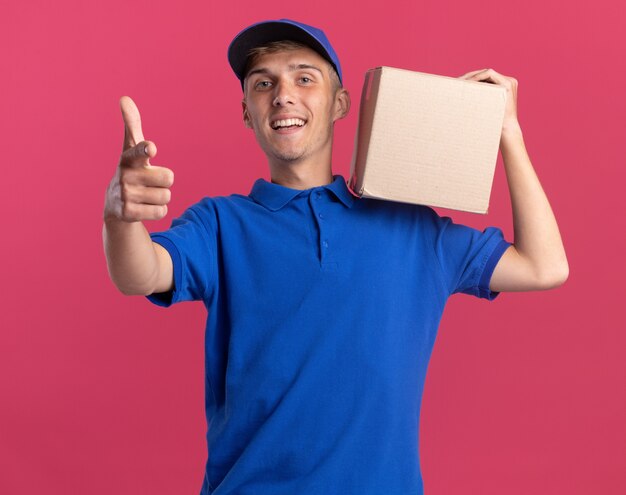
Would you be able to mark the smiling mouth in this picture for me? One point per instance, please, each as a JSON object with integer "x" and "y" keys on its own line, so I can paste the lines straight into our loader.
{"x": 287, "y": 124}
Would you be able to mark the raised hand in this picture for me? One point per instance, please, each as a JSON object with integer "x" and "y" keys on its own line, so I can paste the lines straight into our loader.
{"x": 138, "y": 191}
{"x": 510, "y": 122}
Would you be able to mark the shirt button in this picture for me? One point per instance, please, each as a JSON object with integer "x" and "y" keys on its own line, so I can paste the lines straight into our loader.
{"x": 325, "y": 244}
{"x": 318, "y": 195}
{"x": 321, "y": 215}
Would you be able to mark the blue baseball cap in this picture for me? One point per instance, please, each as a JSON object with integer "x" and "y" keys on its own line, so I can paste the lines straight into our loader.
{"x": 283, "y": 29}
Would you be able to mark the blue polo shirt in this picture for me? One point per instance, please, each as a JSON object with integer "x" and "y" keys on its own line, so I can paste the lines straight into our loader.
{"x": 322, "y": 313}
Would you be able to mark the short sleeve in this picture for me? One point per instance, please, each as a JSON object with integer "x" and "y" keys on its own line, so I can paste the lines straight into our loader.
{"x": 468, "y": 256}
{"x": 191, "y": 242}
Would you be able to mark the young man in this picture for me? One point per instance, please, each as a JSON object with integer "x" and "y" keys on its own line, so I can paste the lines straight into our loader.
{"x": 322, "y": 308}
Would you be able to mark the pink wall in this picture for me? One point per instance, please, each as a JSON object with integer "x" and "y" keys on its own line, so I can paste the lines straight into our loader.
{"x": 103, "y": 394}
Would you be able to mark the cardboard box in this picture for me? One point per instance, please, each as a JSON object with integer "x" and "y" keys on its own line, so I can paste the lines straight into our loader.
{"x": 427, "y": 139}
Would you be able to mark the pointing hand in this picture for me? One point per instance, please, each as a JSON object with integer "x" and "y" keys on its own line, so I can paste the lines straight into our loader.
{"x": 138, "y": 191}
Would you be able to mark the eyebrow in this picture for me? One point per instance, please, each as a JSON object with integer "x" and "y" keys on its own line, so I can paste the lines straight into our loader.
{"x": 292, "y": 67}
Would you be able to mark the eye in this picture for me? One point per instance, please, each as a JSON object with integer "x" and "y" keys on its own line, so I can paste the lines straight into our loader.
{"x": 262, "y": 84}
{"x": 306, "y": 79}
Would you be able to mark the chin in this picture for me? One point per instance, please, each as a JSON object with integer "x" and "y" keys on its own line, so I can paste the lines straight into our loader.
{"x": 287, "y": 156}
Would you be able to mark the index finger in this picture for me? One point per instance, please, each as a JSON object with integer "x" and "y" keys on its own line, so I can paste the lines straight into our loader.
{"x": 486, "y": 75}
{"x": 132, "y": 122}
{"x": 472, "y": 73}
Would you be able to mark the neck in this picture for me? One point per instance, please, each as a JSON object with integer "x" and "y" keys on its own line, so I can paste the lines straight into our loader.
{"x": 301, "y": 176}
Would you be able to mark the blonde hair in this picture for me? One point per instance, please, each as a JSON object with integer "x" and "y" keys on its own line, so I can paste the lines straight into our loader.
{"x": 284, "y": 45}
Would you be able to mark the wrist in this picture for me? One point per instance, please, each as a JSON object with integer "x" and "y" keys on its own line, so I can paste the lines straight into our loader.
{"x": 511, "y": 130}
{"x": 511, "y": 136}
{"x": 113, "y": 222}
{"x": 110, "y": 216}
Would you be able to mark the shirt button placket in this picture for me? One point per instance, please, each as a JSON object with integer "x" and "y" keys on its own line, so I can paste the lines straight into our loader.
{"x": 323, "y": 241}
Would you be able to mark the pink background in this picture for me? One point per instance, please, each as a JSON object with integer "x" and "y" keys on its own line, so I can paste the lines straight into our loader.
{"x": 103, "y": 394}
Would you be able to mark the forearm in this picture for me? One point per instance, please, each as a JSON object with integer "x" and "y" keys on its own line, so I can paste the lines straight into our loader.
{"x": 536, "y": 234}
{"x": 131, "y": 257}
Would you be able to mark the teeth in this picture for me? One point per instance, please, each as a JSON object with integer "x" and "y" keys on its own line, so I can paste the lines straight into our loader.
{"x": 287, "y": 123}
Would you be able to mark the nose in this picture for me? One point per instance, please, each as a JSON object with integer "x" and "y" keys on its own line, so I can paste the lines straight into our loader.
{"x": 283, "y": 95}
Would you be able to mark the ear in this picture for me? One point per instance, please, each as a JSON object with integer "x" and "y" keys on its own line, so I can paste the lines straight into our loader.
{"x": 246, "y": 115}
{"x": 342, "y": 104}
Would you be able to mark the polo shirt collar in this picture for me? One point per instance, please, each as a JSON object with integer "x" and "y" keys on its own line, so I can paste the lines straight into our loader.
{"x": 339, "y": 188}
{"x": 274, "y": 196}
